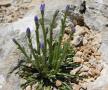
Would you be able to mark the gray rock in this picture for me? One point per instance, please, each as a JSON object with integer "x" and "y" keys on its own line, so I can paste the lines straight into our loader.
{"x": 96, "y": 16}
{"x": 102, "y": 80}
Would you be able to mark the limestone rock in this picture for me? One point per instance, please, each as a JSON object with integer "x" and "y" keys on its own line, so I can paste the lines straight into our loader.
{"x": 2, "y": 81}
{"x": 84, "y": 86}
{"x": 78, "y": 60}
{"x": 78, "y": 54}
{"x": 79, "y": 30}
{"x": 76, "y": 87}
{"x": 68, "y": 30}
{"x": 84, "y": 68}
{"x": 65, "y": 38}
{"x": 5, "y": 3}
{"x": 84, "y": 74}
{"x": 58, "y": 83}
{"x": 77, "y": 40}
{"x": 84, "y": 41}
{"x": 74, "y": 71}
{"x": 94, "y": 72}
{"x": 99, "y": 67}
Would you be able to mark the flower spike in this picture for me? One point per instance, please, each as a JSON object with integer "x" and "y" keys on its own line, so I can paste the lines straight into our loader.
{"x": 36, "y": 19}
{"x": 42, "y": 8}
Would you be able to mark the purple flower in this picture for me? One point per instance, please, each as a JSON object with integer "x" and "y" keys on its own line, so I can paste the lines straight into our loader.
{"x": 28, "y": 32}
{"x": 73, "y": 30}
{"x": 41, "y": 45}
{"x": 42, "y": 7}
{"x": 36, "y": 19}
{"x": 67, "y": 7}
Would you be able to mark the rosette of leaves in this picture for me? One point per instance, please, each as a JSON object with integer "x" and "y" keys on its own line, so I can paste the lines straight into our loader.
{"x": 48, "y": 65}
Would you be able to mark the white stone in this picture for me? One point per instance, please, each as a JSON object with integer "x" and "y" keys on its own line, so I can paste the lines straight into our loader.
{"x": 78, "y": 54}
{"x": 102, "y": 80}
{"x": 84, "y": 41}
{"x": 79, "y": 30}
{"x": 2, "y": 81}
{"x": 78, "y": 60}
{"x": 77, "y": 40}
{"x": 74, "y": 71}
{"x": 84, "y": 68}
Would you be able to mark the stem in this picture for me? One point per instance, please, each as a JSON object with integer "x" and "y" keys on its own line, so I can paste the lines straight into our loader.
{"x": 44, "y": 35}
{"x": 60, "y": 40}
{"x": 33, "y": 52}
{"x": 51, "y": 37}
{"x": 37, "y": 37}
{"x": 62, "y": 27}
{"x": 45, "y": 67}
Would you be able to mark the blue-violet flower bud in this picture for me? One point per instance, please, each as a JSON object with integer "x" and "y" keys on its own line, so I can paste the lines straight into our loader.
{"x": 67, "y": 7}
{"x": 36, "y": 19}
{"x": 42, "y": 7}
{"x": 28, "y": 33}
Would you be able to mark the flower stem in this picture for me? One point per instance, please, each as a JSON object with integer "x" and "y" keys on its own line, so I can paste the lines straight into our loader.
{"x": 37, "y": 37}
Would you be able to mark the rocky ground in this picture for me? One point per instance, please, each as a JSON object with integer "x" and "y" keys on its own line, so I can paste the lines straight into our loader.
{"x": 91, "y": 48}
{"x": 10, "y": 13}
{"x": 86, "y": 43}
